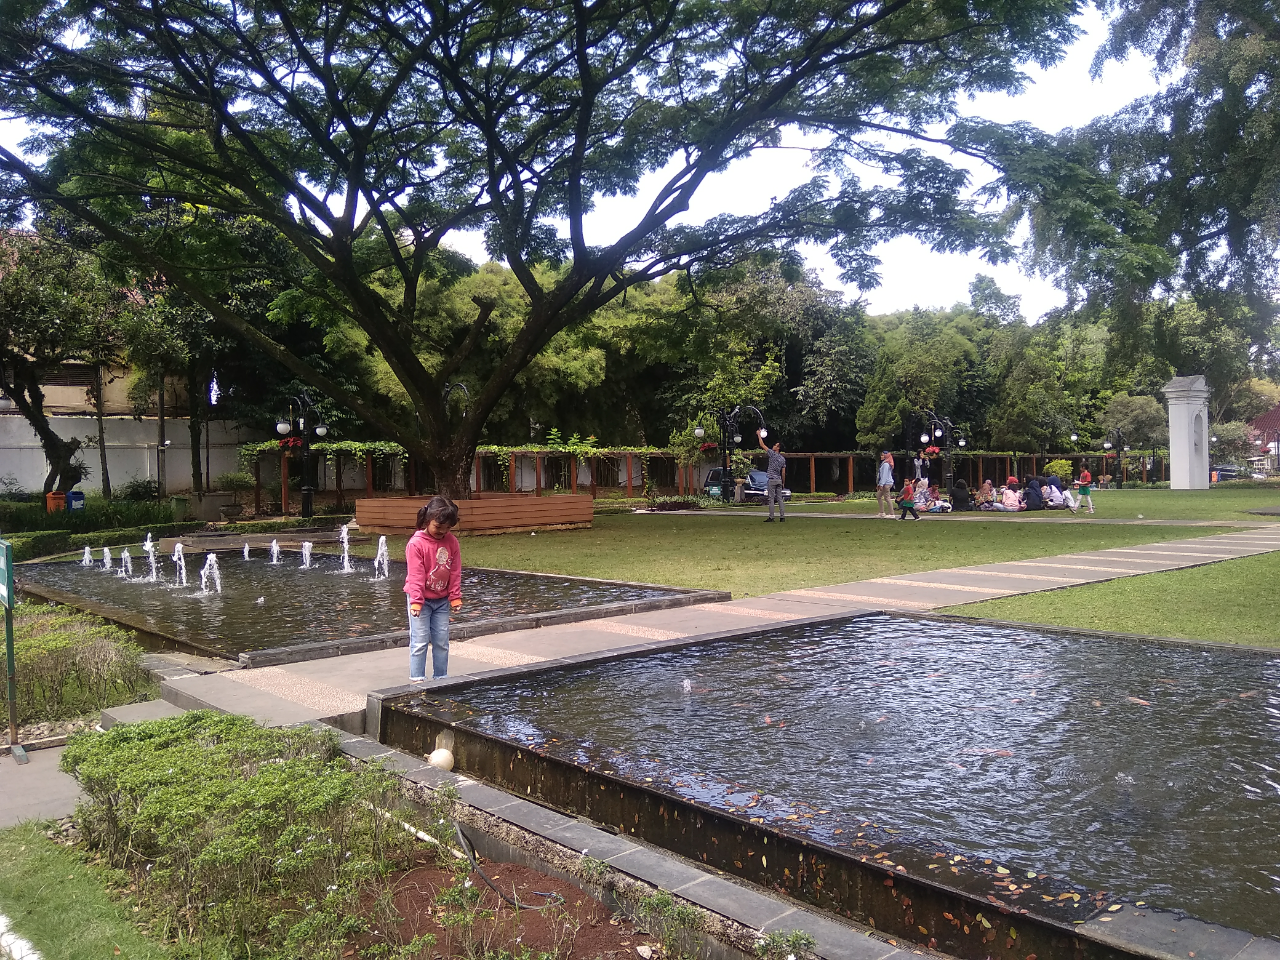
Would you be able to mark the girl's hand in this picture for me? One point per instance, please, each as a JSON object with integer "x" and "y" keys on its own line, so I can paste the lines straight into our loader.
{"x": 415, "y": 608}
{"x": 455, "y": 604}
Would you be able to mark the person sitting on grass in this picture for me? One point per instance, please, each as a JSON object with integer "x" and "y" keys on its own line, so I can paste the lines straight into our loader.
{"x": 434, "y": 586}
{"x": 960, "y": 497}
{"x": 1033, "y": 498}
{"x": 936, "y": 503}
{"x": 1010, "y": 499}
{"x": 907, "y": 499}
{"x": 1053, "y": 496}
{"x": 986, "y": 496}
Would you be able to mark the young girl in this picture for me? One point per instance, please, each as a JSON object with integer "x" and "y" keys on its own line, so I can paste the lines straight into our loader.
{"x": 1086, "y": 488}
{"x": 434, "y": 587}
{"x": 907, "y": 500}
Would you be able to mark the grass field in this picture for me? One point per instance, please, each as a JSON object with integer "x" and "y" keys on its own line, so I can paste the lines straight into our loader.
{"x": 745, "y": 556}
{"x": 1230, "y": 602}
{"x": 59, "y": 905}
{"x": 1219, "y": 504}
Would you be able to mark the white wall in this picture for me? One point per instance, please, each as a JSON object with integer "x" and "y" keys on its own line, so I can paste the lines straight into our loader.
{"x": 131, "y": 449}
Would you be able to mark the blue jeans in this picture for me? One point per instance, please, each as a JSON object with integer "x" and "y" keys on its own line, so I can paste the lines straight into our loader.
{"x": 429, "y": 628}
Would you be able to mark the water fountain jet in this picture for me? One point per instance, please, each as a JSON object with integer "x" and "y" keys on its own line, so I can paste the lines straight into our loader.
{"x": 106, "y": 559}
{"x": 345, "y": 539}
{"x": 209, "y": 574}
{"x": 275, "y": 552}
{"x": 126, "y": 564}
{"x": 149, "y": 549}
{"x": 306, "y": 554}
{"x": 246, "y": 550}
{"x": 88, "y": 558}
{"x": 180, "y": 562}
{"x": 382, "y": 561}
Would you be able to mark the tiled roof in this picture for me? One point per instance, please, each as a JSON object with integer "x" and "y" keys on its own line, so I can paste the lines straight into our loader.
{"x": 1268, "y": 421}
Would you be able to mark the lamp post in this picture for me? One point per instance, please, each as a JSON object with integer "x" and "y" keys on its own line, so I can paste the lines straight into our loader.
{"x": 941, "y": 428}
{"x": 285, "y": 427}
{"x": 1116, "y": 441}
{"x": 731, "y": 436}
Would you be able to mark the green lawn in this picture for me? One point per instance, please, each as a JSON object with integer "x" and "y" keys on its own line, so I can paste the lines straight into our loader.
{"x": 1230, "y": 602}
{"x": 745, "y": 556}
{"x": 59, "y": 905}
{"x": 1218, "y": 504}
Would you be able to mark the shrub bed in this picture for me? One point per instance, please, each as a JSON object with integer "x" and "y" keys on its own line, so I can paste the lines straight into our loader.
{"x": 242, "y": 841}
{"x": 70, "y": 663}
{"x": 98, "y": 514}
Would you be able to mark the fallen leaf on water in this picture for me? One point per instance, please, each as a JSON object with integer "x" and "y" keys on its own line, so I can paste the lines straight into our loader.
{"x": 1105, "y": 919}
{"x": 1139, "y": 700}
{"x": 924, "y": 930}
{"x": 1097, "y": 703}
{"x": 1114, "y": 908}
{"x": 1251, "y": 693}
{"x": 1002, "y": 870}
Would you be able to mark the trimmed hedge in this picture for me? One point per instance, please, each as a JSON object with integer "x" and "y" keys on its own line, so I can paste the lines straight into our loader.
{"x": 71, "y": 663}
{"x": 130, "y": 535}
{"x": 29, "y": 546}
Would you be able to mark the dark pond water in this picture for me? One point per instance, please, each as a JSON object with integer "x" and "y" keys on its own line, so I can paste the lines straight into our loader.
{"x": 1147, "y": 771}
{"x": 275, "y": 605}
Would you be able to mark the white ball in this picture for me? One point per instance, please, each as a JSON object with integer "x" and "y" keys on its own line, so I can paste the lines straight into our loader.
{"x": 441, "y": 759}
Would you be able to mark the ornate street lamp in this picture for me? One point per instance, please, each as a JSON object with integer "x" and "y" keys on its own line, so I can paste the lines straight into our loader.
{"x": 285, "y": 427}
{"x": 944, "y": 430}
{"x": 731, "y": 436}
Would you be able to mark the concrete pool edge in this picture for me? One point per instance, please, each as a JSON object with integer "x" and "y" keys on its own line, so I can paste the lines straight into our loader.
{"x": 323, "y": 649}
{"x": 894, "y": 901}
{"x": 1127, "y": 931}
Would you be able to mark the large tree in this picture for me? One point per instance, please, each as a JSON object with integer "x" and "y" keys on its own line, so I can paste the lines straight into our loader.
{"x": 365, "y": 133}
{"x": 55, "y": 308}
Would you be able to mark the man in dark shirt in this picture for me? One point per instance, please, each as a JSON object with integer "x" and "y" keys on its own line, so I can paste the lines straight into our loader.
{"x": 777, "y": 475}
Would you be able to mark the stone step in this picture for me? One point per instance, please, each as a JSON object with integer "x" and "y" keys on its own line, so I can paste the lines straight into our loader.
{"x": 134, "y": 712}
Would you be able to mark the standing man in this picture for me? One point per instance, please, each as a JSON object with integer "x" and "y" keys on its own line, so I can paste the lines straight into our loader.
{"x": 777, "y": 474}
{"x": 921, "y": 464}
{"x": 884, "y": 485}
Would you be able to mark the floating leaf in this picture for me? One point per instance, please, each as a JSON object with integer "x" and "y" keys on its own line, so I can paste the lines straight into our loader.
{"x": 924, "y": 930}
{"x": 1113, "y": 909}
{"x": 1002, "y": 870}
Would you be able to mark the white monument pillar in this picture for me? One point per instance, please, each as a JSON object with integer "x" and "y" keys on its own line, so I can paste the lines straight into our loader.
{"x": 1188, "y": 433}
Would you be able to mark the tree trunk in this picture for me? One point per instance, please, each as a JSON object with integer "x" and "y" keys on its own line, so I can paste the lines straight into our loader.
{"x": 453, "y": 470}
{"x": 102, "y": 430}
{"x": 26, "y": 394}
{"x": 193, "y": 426}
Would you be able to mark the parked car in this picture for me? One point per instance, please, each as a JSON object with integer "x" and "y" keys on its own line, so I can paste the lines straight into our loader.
{"x": 1225, "y": 471}
{"x": 755, "y": 489}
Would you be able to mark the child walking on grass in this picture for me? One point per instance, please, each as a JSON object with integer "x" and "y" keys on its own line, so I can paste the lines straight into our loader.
{"x": 433, "y": 586}
{"x": 907, "y": 499}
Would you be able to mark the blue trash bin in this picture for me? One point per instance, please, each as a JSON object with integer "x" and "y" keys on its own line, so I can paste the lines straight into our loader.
{"x": 75, "y": 500}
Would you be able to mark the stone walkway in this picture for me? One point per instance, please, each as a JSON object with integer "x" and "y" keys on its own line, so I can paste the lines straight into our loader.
{"x": 321, "y": 689}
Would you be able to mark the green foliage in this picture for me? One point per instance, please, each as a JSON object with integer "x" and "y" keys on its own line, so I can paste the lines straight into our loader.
{"x": 98, "y": 514}
{"x": 70, "y": 664}
{"x": 796, "y": 945}
{"x": 83, "y": 920}
{"x": 244, "y": 840}
{"x": 619, "y": 94}
{"x": 1234, "y": 443}
{"x": 1061, "y": 469}
{"x": 675, "y": 924}
{"x": 33, "y": 545}
{"x": 1142, "y": 420}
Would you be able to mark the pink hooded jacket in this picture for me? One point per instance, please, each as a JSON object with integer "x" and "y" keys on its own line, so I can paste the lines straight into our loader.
{"x": 435, "y": 567}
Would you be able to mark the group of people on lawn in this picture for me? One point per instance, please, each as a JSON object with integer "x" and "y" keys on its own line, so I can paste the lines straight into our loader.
{"x": 1035, "y": 493}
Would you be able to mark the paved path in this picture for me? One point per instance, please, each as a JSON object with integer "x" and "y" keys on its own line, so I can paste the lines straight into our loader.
{"x": 36, "y": 790}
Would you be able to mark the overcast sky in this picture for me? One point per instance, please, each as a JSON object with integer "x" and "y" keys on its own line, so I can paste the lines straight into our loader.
{"x": 911, "y": 275}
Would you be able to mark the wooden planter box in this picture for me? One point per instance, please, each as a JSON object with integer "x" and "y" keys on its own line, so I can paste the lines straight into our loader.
{"x": 491, "y": 513}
